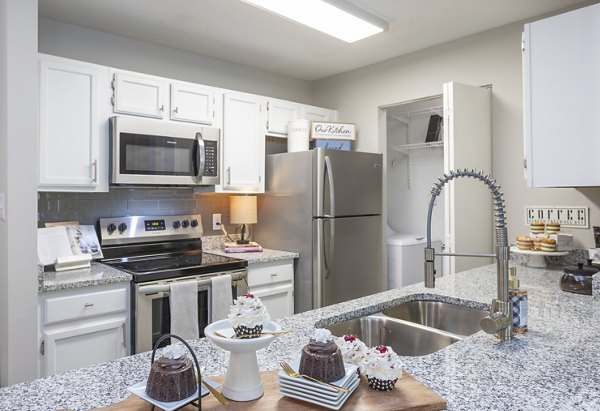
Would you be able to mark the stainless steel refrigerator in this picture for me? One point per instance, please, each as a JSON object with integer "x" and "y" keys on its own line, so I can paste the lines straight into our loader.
{"x": 326, "y": 205}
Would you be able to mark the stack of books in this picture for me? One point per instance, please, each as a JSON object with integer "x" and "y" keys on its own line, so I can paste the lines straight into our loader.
{"x": 233, "y": 247}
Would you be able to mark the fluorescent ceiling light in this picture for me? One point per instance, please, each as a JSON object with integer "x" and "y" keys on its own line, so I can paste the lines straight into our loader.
{"x": 349, "y": 24}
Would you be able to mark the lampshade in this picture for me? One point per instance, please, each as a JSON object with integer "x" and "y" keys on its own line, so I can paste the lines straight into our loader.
{"x": 242, "y": 210}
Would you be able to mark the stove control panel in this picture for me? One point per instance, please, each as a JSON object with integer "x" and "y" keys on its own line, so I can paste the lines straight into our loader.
{"x": 139, "y": 229}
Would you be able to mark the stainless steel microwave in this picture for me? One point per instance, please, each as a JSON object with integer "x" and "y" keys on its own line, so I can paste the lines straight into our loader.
{"x": 156, "y": 153}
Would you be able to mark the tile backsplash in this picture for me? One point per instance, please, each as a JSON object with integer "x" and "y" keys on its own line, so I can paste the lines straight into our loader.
{"x": 87, "y": 208}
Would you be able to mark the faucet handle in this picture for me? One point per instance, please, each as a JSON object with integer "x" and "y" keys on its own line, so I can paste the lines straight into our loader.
{"x": 500, "y": 318}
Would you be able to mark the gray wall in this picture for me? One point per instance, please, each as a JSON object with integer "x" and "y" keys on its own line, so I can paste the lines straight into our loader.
{"x": 18, "y": 177}
{"x": 492, "y": 57}
{"x": 67, "y": 40}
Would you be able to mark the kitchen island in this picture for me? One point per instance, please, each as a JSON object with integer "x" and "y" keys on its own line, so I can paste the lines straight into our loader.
{"x": 553, "y": 366}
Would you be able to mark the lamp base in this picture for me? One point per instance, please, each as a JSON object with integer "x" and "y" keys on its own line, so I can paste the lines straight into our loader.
{"x": 245, "y": 233}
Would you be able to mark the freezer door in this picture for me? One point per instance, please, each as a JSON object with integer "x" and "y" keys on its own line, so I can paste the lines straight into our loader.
{"x": 346, "y": 183}
{"x": 348, "y": 259}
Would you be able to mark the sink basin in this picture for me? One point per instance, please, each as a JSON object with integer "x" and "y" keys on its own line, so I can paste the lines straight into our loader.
{"x": 453, "y": 318}
{"x": 404, "y": 337}
{"x": 415, "y": 327}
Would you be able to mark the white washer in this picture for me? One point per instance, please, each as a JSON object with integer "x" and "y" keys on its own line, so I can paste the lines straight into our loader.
{"x": 406, "y": 256}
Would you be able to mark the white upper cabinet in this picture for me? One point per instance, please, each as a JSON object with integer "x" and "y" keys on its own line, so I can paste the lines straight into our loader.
{"x": 279, "y": 113}
{"x": 139, "y": 94}
{"x": 312, "y": 113}
{"x": 243, "y": 143}
{"x": 193, "y": 103}
{"x": 74, "y": 109}
{"x": 561, "y": 90}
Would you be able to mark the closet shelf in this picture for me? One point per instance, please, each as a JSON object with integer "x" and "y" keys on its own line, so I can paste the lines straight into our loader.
{"x": 406, "y": 148}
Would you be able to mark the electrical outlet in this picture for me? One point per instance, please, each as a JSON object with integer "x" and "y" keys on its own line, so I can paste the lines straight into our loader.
{"x": 217, "y": 222}
{"x": 575, "y": 217}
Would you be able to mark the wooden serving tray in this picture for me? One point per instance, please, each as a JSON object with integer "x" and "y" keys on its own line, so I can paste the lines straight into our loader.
{"x": 408, "y": 394}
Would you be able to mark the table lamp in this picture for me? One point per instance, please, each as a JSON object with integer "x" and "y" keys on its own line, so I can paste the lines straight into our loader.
{"x": 242, "y": 211}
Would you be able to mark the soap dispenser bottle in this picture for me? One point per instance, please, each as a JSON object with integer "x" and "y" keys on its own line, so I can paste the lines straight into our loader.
{"x": 519, "y": 303}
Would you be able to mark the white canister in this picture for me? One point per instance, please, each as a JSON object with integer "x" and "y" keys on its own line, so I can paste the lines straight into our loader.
{"x": 297, "y": 136}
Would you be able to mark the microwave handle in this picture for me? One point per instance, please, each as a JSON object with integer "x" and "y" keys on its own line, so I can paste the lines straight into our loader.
{"x": 200, "y": 156}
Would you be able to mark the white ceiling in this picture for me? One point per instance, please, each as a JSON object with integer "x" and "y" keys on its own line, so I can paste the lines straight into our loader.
{"x": 237, "y": 32}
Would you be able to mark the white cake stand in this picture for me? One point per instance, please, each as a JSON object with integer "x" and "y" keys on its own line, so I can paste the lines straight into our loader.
{"x": 242, "y": 382}
{"x": 536, "y": 258}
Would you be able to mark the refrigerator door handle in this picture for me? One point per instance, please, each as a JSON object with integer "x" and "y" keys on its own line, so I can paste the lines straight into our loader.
{"x": 331, "y": 247}
{"x": 329, "y": 173}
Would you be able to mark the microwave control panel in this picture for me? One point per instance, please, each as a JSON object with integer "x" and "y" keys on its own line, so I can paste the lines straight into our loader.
{"x": 211, "y": 159}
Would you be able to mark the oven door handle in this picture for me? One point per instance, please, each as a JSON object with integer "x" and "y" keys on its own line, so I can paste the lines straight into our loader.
{"x": 204, "y": 282}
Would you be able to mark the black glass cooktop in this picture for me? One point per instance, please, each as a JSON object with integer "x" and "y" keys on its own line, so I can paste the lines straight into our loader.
{"x": 171, "y": 266}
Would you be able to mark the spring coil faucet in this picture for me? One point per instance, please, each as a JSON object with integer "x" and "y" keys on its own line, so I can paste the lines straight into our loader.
{"x": 499, "y": 321}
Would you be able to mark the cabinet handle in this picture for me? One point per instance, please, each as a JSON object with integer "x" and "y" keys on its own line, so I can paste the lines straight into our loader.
{"x": 176, "y": 110}
{"x": 87, "y": 305}
{"x": 162, "y": 108}
{"x": 229, "y": 175}
{"x": 274, "y": 275}
{"x": 95, "y": 166}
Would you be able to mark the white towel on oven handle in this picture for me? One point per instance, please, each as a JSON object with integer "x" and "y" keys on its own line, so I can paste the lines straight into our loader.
{"x": 220, "y": 296}
{"x": 183, "y": 301}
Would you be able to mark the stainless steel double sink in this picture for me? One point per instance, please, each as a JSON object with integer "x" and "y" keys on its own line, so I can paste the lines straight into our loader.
{"x": 415, "y": 327}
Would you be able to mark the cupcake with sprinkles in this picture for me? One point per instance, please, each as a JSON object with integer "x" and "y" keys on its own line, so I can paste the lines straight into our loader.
{"x": 382, "y": 368}
{"x": 353, "y": 350}
{"x": 248, "y": 315}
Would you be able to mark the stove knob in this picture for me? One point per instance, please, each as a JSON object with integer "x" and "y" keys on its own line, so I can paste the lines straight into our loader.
{"x": 185, "y": 223}
{"x": 194, "y": 223}
{"x": 176, "y": 224}
{"x": 122, "y": 227}
{"x": 111, "y": 228}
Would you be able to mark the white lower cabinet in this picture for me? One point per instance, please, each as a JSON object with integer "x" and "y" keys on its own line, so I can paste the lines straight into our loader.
{"x": 82, "y": 327}
{"x": 273, "y": 283}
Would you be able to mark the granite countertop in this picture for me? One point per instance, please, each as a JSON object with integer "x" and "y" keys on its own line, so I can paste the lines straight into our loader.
{"x": 99, "y": 274}
{"x": 96, "y": 274}
{"x": 553, "y": 366}
{"x": 265, "y": 256}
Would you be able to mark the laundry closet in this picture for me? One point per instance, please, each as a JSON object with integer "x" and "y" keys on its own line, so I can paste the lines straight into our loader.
{"x": 424, "y": 139}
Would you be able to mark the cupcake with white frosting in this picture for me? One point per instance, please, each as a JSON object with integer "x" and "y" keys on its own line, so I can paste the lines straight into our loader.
{"x": 382, "y": 367}
{"x": 248, "y": 316}
{"x": 353, "y": 350}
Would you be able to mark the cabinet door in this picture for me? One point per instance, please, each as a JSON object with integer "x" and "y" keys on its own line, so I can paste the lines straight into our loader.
{"x": 279, "y": 301}
{"x": 561, "y": 90}
{"x": 243, "y": 143}
{"x": 83, "y": 345}
{"x": 279, "y": 112}
{"x": 468, "y": 203}
{"x": 312, "y": 113}
{"x": 139, "y": 94}
{"x": 73, "y": 126}
{"x": 192, "y": 103}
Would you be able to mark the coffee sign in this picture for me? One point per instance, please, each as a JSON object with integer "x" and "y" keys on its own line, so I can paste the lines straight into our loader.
{"x": 332, "y": 131}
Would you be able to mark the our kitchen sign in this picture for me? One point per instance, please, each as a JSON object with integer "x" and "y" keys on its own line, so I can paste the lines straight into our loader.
{"x": 332, "y": 131}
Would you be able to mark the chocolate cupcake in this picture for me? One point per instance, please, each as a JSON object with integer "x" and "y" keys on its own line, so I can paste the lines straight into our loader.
{"x": 248, "y": 315}
{"x": 321, "y": 358}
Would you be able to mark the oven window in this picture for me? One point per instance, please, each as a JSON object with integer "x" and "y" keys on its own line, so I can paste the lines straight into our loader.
{"x": 161, "y": 318}
{"x": 156, "y": 155}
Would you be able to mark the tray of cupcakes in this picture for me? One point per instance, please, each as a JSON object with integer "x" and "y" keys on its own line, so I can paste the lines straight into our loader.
{"x": 328, "y": 370}
{"x": 544, "y": 238}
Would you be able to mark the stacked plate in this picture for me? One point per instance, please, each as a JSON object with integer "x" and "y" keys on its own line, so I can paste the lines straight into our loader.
{"x": 317, "y": 393}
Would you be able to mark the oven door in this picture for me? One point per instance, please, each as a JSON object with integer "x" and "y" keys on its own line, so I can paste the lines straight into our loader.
{"x": 154, "y": 152}
{"x": 151, "y": 309}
